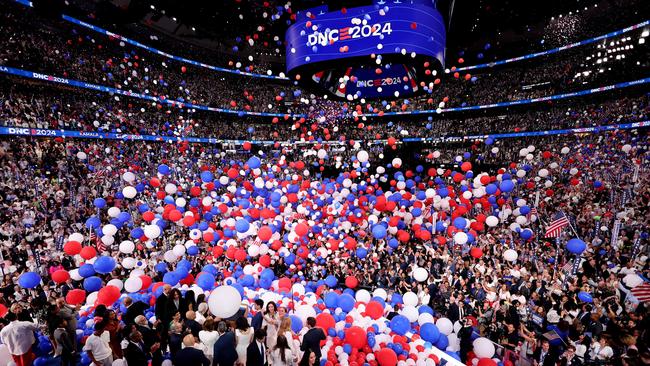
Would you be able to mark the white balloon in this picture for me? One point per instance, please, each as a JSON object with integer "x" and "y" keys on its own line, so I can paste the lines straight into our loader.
{"x": 425, "y": 318}
{"x": 305, "y": 311}
{"x": 410, "y": 312}
{"x": 362, "y": 156}
{"x": 483, "y": 347}
{"x": 420, "y": 274}
{"x": 179, "y": 250}
{"x": 116, "y": 282}
{"x": 224, "y": 301}
{"x": 445, "y": 326}
{"x": 109, "y": 229}
{"x": 113, "y": 211}
{"x": 129, "y": 192}
{"x": 170, "y": 257}
{"x": 510, "y": 255}
{"x": 133, "y": 284}
{"x": 128, "y": 177}
{"x": 74, "y": 274}
{"x": 460, "y": 238}
{"x": 410, "y": 299}
{"x": 78, "y": 237}
{"x": 127, "y": 247}
{"x": 380, "y": 292}
{"x": 152, "y": 231}
{"x": 108, "y": 240}
{"x": 565, "y": 150}
{"x": 492, "y": 221}
{"x": 362, "y": 296}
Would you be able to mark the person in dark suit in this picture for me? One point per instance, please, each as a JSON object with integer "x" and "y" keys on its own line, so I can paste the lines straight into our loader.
{"x": 190, "y": 355}
{"x": 133, "y": 309}
{"x": 256, "y": 322}
{"x": 543, "y": 355}
{"x": 175, "y": 304}
{"x": 311, "y": 340}
{"x": 224, "y": 351}
{"x": 256, "y": 353}
{"x": 457, "y": 309}
{"x": 161, "y": 304}
{"x": 150, "y": 338}
{"x": 175, "y": 339}
{"x": 569, "y": 357}
{"x": 136, "y": 352}
{"x": 191, "y": 324}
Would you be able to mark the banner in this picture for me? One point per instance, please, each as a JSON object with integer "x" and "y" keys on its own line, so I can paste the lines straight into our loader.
{"x": 615, "y": 231}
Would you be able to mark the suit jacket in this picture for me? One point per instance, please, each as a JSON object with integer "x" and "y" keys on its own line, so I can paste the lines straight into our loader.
{"x": 256, "y": 322}
{"x": 161, "y": 308}
{"x": 172, "y": 309}
{"x": 575, "y": 361}
{"x": 254, "y": 356}
{"x": 175, "y": 343}
{"x": 136, "y": 309}
{"x": 454, "y": 313}
{"x": 190, "y": 356}
{"x": 224, "y": 352}
{"x": 149, "y": 336}
{"x": 193, "y": 326}
{"x": 311, "y": 341}
{"x": 135, "y": 356}
{"x": 549, "y": 360}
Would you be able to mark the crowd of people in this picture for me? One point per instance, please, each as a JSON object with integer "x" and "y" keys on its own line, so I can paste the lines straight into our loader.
{"x": 484, "y": 252}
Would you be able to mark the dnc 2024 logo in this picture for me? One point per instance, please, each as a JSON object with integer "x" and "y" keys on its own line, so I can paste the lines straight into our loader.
{"x": 331, "y": 36}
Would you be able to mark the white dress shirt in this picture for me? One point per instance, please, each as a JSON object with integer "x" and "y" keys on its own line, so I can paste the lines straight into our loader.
{"x": 18, "y": 336}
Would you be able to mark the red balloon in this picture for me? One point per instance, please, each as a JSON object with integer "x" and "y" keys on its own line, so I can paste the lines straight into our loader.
{"x": 154, "y": 182}
{"x": 175, "y": 215}
{"x": 351, "y": 282}
{"x": 3, "y": 310}
{"x": 486, "y": 362}
{"x": 148, "y": 216}
{"x": 183, "y": 68}
{"x": 466, "y": 166}
{"x": 476, "y": 252}
{"x": 386, "y": 357}
{"x": 76, "y": 296}
{"x": 60, "y": 276}
{"x": 188, "y": 220}
{"x": 88, "y": 252}
{"x": 265, "y": 260}
{"x": 240, "y": 255}
{"x": 146, "y": 281}
{"x": 108, "y": 295}
{"x": 284, "y": 282}
{"x": 247, "y": 145}
{"x": 374, "y": 310}
{"x": 302, "y": 229}
{"x": 356, "y": 337}
{"x": 72, "y": 248}
{"x": 265, "y": 233}
{"x": 325, "y": 321}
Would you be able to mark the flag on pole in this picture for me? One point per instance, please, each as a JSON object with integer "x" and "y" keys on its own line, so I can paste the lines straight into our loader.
{"x": 101, "y": 247}
{"x": 554, "y": 229}
{"x": 642, "y": 292}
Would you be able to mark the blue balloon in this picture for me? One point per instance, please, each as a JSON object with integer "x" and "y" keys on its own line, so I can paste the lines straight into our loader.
{"x": 429, "y": 332}
{"x": 296, "y": 324}
{"x": 163, "y": 169}
{"x": 585, "y": 297}
{"x": 331, "y": 300}
{"x": 87, "y": 270}
{"x": 171, "y": 278}
{"x": 331, "y": 281}
{"x": 99, "y": 202}
{"x": 400, "y": 324}
{"x": 104, "y": 264}
{"x": 206, "y": 281}
{"x": 460, "y": 223}
{"x": 443, "y": 342}
{"x": 378, "y": 231}
{"x": 576, "y": 246}
{"x": 491, "y": 188}
{"x": 29, "y": 280}
{"x": 92, "y": 284}
{"x": 242, "y": 225}
{"x": 506, "y": 186}
{"x": 207, "y": 176}
{"x": 345, "y": 302}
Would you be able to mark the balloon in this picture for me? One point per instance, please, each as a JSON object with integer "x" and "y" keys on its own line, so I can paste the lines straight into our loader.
{"x": 108, "y": 295}
{"x": 104, "y": 264}
{"x": 483, "y": 347}
{"x": 206, "y": 281}
{"x": 127, "y": 247}
{"x": 356, "y": 337}
{"x": 133, "y": 284}
{"x": 29, "y": 280}
{"x": 351, "y": 282}
{"x": 325, "y": 321}
{"x": 510, "y": 255}
{"x": 92, "y": 284}
{"x": 224, "y": 301}
{"x": 429, "y": 332}
{"x": 420, "y": 274}
{"x": 374, "y": 310}
{"x": 460, "y": 238}
{"x": 492, "y": 221}
{"x": 75, "y": 296}
{"x": 378, "y": 231}
{"x": 445, "y": 326}
{"x": 585, "y": 297}
{"x": 576, "y": 246}
{"x": 400, "y": 324}
{"x": 410, "y": 298}
{"x": 486, "y": 362}
{"x": 386, "y": 357}
{"x": 72, "y": 248}
{"x": 60, "y": 276}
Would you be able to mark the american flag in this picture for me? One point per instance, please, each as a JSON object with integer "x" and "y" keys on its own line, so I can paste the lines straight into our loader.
{"x": 642, "y": 292}
{"x": 101, "y": 247}
{"x": 554, "y": 229}
{"x": 531, "y": 213}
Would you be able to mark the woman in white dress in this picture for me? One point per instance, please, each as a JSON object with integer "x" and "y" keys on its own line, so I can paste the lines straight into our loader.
{"x": 281, "y": 354}
{"x": 244, "y": 335}
{"x": 285, "y": 330}
{"x": 271, "y": 322}
{"x": 208, "y": 337}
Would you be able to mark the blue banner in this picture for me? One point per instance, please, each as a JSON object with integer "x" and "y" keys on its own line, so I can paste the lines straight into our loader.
{"x": 106, "y": 89}
{"x": 364, "y": 31}
{"x": 41, "y": 132}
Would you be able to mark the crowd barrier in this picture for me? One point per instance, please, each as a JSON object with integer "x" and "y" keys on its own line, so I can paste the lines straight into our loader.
{"x": 107, "y": 89}
{"x": 181, "y": 104}
{"x": 216, "y": 68}
{"x": 40, "y": 132}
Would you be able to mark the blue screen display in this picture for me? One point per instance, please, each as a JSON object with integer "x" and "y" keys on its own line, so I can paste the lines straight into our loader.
{"x": 382, "y": 30}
